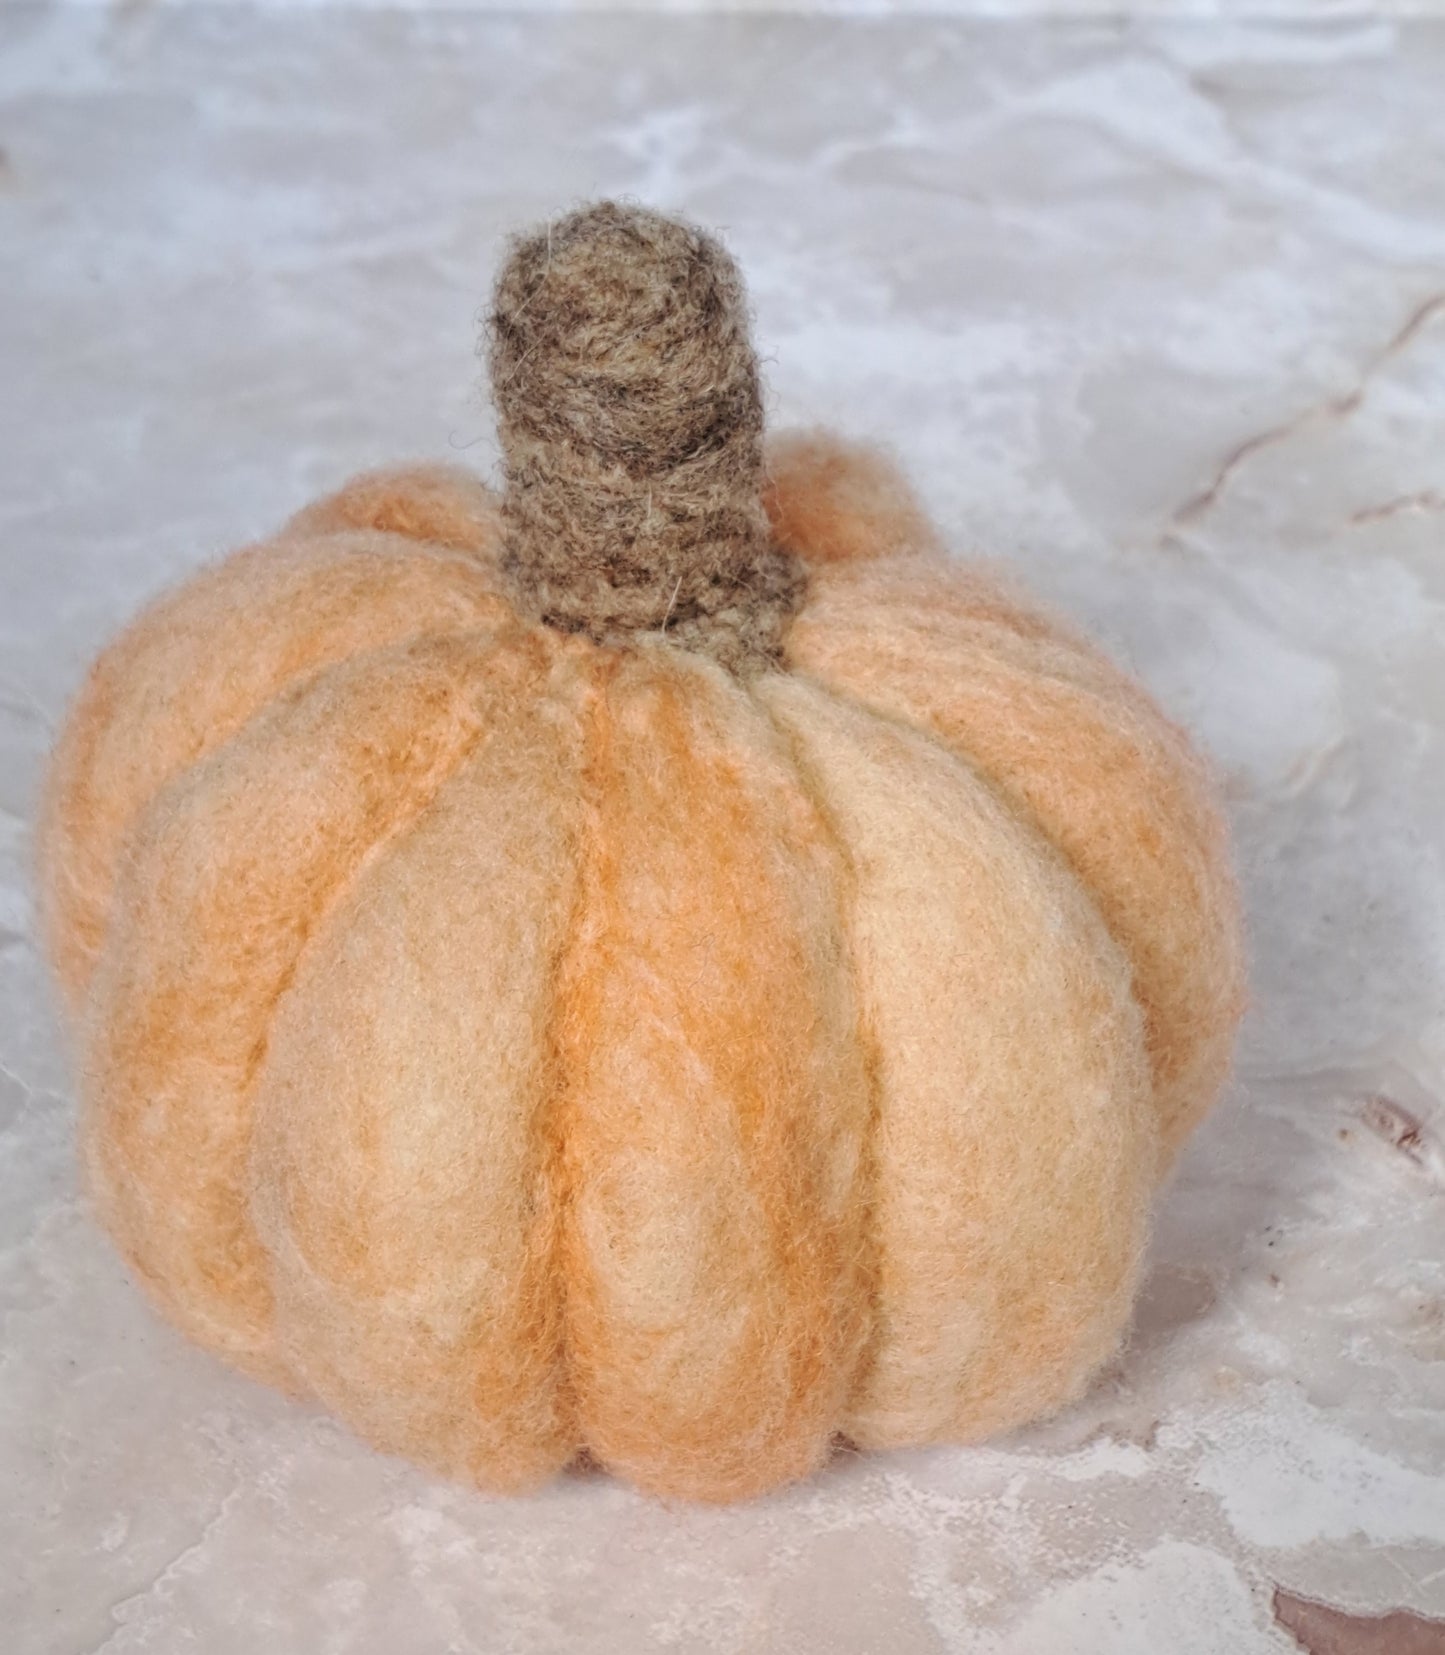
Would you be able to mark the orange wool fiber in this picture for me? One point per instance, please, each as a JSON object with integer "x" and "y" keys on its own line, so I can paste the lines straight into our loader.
{"x": 685, "y": 1046}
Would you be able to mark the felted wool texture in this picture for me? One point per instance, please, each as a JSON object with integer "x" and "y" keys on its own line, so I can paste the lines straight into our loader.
{"x": 1063, "y": 734}
{"x": 203, "y": 660}
{"x": 405, "y": 1179}
{"x": 631, "y": 424}
{"x": 1014, "y": 1142}
{"x": 532, "y": 1043}
{"x": 715, "y": 1100}
{"x": 232, "y": 870}
{"x": 831, "y": 501}
{"x": 440, "y": 505}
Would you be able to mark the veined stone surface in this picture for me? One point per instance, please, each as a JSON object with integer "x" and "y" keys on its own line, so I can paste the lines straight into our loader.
{"x": 1155, "y": 314}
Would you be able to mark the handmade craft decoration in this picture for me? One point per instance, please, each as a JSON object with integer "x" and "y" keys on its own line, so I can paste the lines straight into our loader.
{"x": 666, "y": 965}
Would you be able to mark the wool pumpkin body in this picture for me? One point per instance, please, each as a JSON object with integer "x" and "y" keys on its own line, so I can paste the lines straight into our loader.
{"x": 533, "y": 1029}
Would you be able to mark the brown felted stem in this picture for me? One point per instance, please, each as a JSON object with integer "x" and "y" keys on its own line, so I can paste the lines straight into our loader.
{"x": 631, "y": 424}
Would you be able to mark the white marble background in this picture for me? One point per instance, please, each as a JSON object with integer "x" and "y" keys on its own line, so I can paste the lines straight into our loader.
{"x": 1273, "y": 12}
{"x": 1156, "y": 312}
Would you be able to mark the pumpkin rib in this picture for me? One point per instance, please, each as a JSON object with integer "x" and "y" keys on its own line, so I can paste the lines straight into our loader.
{"x": 830, "y": 501}
{"x": 196, "y": 667}
{"x": 715, "y": 1102}
{"x": 402, "y": 1174}
{"x": 234, "y": 868}
{"x": 975, "y": 604}
{"x": 1015, "y": 1144}
{"x": 956, "y": 604}
{"x": 1075, "y": 746}
{"x": 441, "y": 506}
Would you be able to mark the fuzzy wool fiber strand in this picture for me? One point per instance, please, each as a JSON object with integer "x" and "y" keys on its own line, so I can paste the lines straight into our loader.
{"x": 631, "y": 423}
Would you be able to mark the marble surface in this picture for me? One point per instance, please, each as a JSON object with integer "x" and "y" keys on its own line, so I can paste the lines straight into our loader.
{"x": 1154, "y": 312}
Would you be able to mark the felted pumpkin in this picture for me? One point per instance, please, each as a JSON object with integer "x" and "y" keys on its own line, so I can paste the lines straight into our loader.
{"x": 666, "y": 965}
